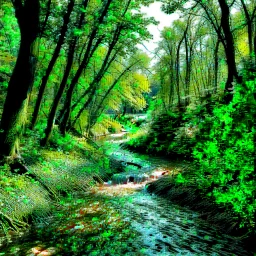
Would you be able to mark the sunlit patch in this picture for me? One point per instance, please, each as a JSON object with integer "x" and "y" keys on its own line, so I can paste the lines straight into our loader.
{"x": 41, "y": 251}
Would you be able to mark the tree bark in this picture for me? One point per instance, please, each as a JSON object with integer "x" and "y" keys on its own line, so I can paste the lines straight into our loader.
{"x": 254, "y": 40}
{"x": 249, "y": 20}
{"x": 70, "y": 59}
{"x": 14, "y": 112}
{"x": 177, "y": 64}
{"x": 216, "y": 65}
{"x": 54, "y": 58}
{"x": 178, "y": 68}
{"x": 56, "y": 101}
{"x": 93, "y": 86}
{"x": 229, "y": 51}
{"x": 189, "y": 54}
{"x": 67, "y": 106}
{"x": 82, "y": 66}
{"x": 171, "y": 74}
{"x": 48, "y": 12}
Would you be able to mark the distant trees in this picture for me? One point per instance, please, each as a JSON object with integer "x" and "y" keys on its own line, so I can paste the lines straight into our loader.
{"x": 217, "y": 24}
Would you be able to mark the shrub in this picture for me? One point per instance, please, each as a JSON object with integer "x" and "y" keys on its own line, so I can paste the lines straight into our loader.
{"x": 224, "y": 154}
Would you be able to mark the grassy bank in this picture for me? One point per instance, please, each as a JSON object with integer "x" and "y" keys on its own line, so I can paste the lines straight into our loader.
{"x": 69, "y": 165}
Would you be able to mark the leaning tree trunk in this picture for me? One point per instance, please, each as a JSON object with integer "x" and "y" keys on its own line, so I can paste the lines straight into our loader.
{"x": 177, "y": 66}
{"x": 14, "y": 112}
{"x": 88, "y": 54}
{"x": 50, "y": 121}
{"x": 53, "y": 60}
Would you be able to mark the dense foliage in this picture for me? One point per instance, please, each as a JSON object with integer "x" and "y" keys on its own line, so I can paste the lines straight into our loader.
{"x": 71, "y": 71}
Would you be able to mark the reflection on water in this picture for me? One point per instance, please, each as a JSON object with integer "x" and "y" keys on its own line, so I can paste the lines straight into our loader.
{"x": 167, "y": 229}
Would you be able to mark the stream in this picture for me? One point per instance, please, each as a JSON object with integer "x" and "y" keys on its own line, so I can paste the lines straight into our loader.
{"x": 166, "y": 228}
{"x": 162, "y": 228}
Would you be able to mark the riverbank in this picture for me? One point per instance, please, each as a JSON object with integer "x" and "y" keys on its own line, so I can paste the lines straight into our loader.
{"x": 118, "y": 219}
{"x": 124, "y": 220}
{"x": 50, "y": 174}
{"x": 220, "y": 182}
{"x": 193, "y": 198}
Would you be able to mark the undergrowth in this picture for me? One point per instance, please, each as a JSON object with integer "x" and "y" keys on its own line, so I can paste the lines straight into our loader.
{"x": 221, "y": 149}
{"x": 68, "y": 165}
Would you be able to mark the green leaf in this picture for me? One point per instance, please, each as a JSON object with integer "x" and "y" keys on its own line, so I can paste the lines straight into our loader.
{"x": 106, "y": 234}
{"x": 82, "y": 9}
{"x": 78, "y": 32}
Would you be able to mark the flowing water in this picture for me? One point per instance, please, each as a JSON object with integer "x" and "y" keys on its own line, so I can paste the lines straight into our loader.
{"x": 163, "y": 228}
{"x": 167, "y": 229}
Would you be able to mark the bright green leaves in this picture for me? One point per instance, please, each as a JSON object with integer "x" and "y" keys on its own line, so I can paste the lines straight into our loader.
{"x": 180, "y": 178}
{"x": 78, "y": 32}
{"x": 106, "y": 234}
{"x": 128, "y": 16}
{"x": 198, "y": 154}
{"x": 211, "y": 148}
{"x": 167, "y": 33}
{"x": 82, "y": 9}
{"x": 227, "y": 154}
{"x": 95, "y": 219}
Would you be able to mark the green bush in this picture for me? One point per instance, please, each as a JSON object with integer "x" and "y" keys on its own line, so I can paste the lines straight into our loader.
{"x": 224, "y": 154}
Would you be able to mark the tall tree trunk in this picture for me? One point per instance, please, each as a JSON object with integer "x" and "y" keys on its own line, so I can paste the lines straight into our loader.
{"x": 178, "y": 73}
{"x": 51, "y": 64}
{"x": 67, "y": 106}
{"x": 93, "y": 86}
{"x": 89, "y": 52}
{"x": 254, "y": 40}
{"x": 216, "y": 65}
{"x": 171, "y": 76}
{"x": 249, "y": 21}
{"x": 56, "y": 101}
{"x": 188, "y": 69}
{"x": 14, "y": 112}
{"x": 178, "y": 65}
{"x": 229, "y": 51}
{"x": 46, "y": 18}
{"x": 70, "y": 59}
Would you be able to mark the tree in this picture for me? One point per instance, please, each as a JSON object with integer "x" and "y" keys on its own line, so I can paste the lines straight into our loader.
{"x": 250, "y": 16}
{"x": 14, "y": 113}
{"x": 229, "y": 50}
{"x": 124, "y": 82}
{"x": 70, "y": 58}
{"x": 124, "y": 25}
{"x": 88, "y": 53}
{"x": 55, "y": 55}
{"x": 222, "y": 26}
